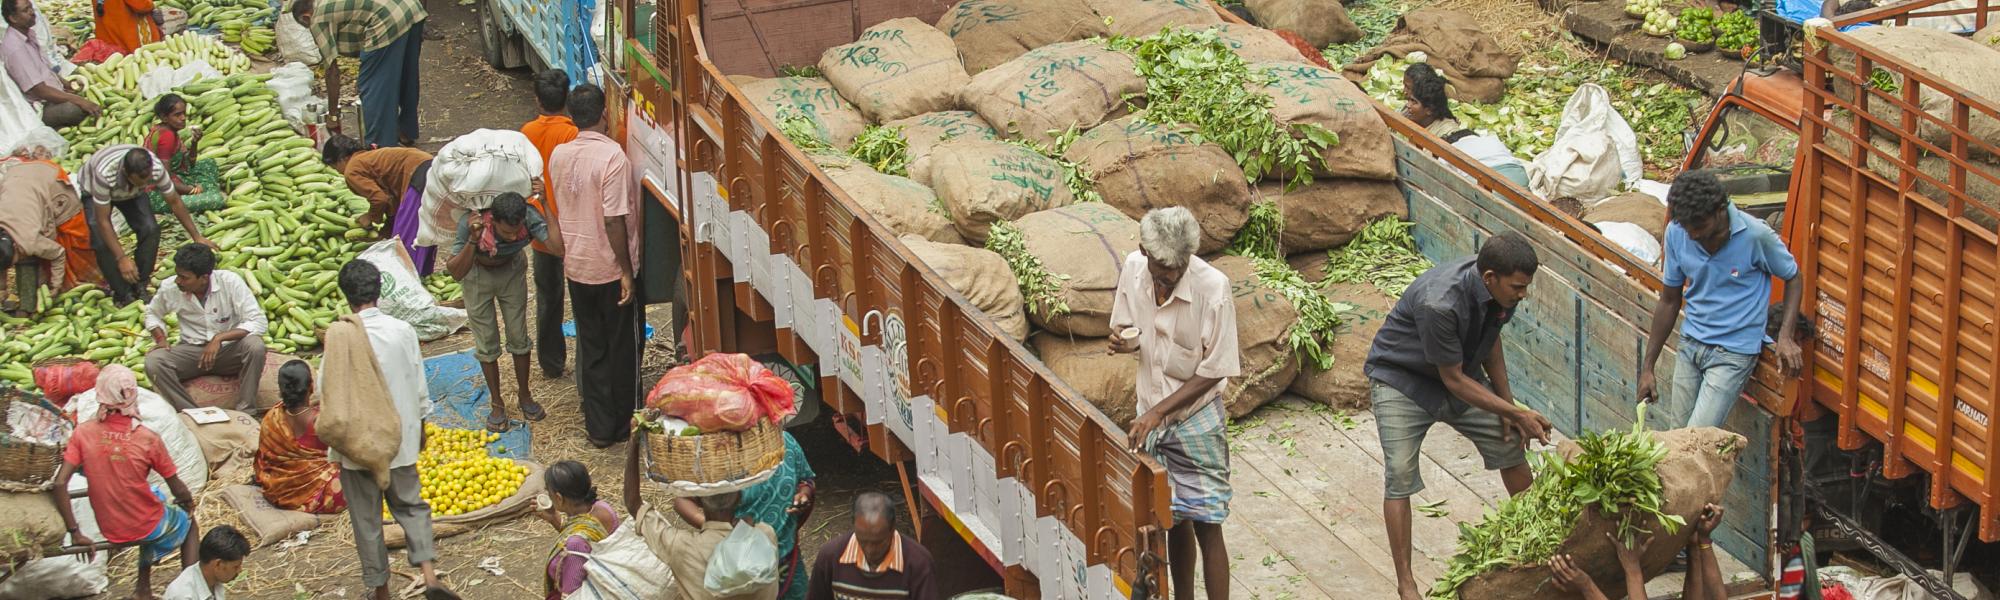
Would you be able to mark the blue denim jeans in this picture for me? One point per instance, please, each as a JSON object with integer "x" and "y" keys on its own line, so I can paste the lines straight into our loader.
{"x": 1713, "y": 377}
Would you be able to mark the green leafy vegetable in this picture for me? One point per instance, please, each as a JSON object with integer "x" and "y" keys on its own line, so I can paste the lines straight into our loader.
{"x": 799, "y": 71}
{"x": 1383, "y": 254}
{"x": 1376, "y": 18}
{"x": 1318, "y": 316}
{"x": 802, "y": 130}
{"x": 1880, "y": 79}
{"x": 884, "y": 149}
{"x": 1042, "y": 289}
{"x": 1081, "y": 182}
{"x": 1259, "y": 237}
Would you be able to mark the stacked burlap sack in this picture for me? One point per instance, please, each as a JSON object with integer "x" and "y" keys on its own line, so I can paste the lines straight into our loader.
{"x": 1963, "y": 62}
{"x": 1470, "y": 59}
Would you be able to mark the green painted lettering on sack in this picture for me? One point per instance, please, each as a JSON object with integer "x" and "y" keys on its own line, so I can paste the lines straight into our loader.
{"x": 981, "y": 12}
{"x": 870, "y": 57}
{"x": 1042, "y": 83}
{"x": 1027, "y": 174}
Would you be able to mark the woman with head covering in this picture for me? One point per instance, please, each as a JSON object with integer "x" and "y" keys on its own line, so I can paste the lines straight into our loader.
{"x": 291, "y": 461}
{"x": 116, "y": 453}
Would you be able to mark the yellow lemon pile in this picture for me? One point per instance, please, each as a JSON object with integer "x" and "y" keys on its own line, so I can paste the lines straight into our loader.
{"x": 458, "y": 475}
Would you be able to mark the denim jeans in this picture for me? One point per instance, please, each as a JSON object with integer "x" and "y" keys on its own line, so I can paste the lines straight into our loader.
{"x": 1713, "y": 377}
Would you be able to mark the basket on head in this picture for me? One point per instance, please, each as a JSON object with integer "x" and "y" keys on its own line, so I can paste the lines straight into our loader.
{"x": 27, "y": 465}
{"x": 713, "y": 461}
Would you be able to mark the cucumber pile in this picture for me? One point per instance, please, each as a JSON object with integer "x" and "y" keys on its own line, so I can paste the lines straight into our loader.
{"x": 243, "y": 22}
{"x": 287, "y": 228}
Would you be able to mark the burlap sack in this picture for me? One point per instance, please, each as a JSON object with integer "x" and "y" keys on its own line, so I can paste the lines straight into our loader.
{"x": 899, "y": 68}
{"x": 1469, "y": 58}
{"x": 1139, "y": 18}
{"x": 1943, "y": 56}
{"x": 356, "y": 416}
{"x": 229, "y": 446}
{"x": 1320, "y": 22}
{"x": 1328, "y": 212}
{"x": 1140, "y": 166}
{"x": 29, "y": 524}
{"x": 812, "y": 97}
{"x": 924, "y": 132}
{"x": 981, "y": 276}
{"x": 1087, "y": 243}
{"x": 269, "y": 524}
{"x": 1990, "y": 36}
{"x": 1072, "y": 84}
{"x": 990, "y": 32}
{"x": 982, "y": 181}
{"x": 1309, "y": 94}
{"x": 1637, "y": 208}
{"x": 218, "y": 390}
{"x": 1254, "y": 44}
{"x": 1262, "y": 318}
{"x": 1697, "y": 470}
{"x": 1981, "y": 190}
{"x": 1343, "y": 386}
{"x": 902, "y": 205}
{"x": 1108, "y": 381}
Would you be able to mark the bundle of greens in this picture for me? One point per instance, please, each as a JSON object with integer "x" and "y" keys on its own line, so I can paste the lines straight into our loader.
{"x": 802, "y": 130}
{"x": 883, "y": 148}
{"x": 1041, "y": 288}
{"x": 1614, "y": 473}
{"x": 1259, "y": 237}
{"x": 1318, "y": 316}
{"x": 1080, "y": 181}
{"x": 1383, "y": 254}
{"x": 1376, "y": 18}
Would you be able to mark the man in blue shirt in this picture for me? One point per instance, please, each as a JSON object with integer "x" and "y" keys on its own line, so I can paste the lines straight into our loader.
{"x": 1725, "y": 259}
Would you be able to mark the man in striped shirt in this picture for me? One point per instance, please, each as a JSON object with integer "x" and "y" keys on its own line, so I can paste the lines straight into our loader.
{"x": 875, "y": 562}
{"x": 122, "y": 177}
{"x": 388, "y": 37}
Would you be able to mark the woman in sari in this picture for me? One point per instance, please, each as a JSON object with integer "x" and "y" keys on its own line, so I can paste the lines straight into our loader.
{"x": 785, "y": 502}
{"x": 583, "y": 521}
{"x": 291, "y": 461}
{"x": 127, "y": 24}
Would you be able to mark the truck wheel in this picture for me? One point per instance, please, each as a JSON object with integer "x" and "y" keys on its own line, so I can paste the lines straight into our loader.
{"x": 805, "y": 387}
{"x": 492, "y": 37}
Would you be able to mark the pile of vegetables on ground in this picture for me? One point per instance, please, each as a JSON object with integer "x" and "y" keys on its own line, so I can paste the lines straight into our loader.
{"x": 243, "y": 22}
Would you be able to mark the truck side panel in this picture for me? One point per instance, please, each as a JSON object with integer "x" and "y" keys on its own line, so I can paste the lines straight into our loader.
{"x": 1574, "y": 346}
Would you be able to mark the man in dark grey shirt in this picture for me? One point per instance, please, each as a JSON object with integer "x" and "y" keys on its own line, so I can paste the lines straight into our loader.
{"x": 1438, "y": 359}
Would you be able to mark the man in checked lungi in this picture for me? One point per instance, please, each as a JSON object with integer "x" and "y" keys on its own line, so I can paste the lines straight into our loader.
{"x": 1176, "y": 311}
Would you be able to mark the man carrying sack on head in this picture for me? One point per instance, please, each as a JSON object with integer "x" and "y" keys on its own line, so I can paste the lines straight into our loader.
{"x": 372, "y": 421}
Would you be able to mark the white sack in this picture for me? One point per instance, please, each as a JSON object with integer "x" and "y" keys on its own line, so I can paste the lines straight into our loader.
{"x": 468, "y": 172}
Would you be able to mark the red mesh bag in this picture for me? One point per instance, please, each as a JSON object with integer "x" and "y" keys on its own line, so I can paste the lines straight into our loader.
{"x": 722, "y": 392}
{"x": 1305, "y": 48}
{"x": 59, "y": 380}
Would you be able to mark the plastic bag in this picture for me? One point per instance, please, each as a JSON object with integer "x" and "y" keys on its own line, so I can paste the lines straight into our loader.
{"x": 404, "y": 296}
{"x": 723, "y": 392}
{"x": 742, "y": 563}
{"x": 63, "y": 576}
{"x": 295, "y": 42}
{"x": 60, "y": 381}
{"x": 468, "y": 172}
{"x": 621, "y": 567}
{"x": 1633, "y": 239}
{"x": 1589, "y": 159}
{"x": 294, "y": 86}
{"x": 172, "y": 20}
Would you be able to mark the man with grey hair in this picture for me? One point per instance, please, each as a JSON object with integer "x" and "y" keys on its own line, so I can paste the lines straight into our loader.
{"x": 686, "y": 544}
{"x": 1176, "y": 311}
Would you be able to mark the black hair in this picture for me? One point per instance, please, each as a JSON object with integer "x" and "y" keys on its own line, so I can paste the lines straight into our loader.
{"x": 586, "y": 105}
{"x": 571, "y": 480}
{"x": 299, "y": 10}
{"x": 137, "y": 161}
{"x": 7, "y": 249}
{"x": 339, "y": 148}
{"x": 552, "y": 90}
{"x": 224, "y": 543}
{"x": 509, "y": 208}
{"x": 1695, "y": 197}
{"x": 195, "y": 258}
{"x": 166, "y": 105}
{"x": 361, "y": 282}
{"x": 1427, "y": 89}
{"x": 1508, "y": 254}
{"x": 295, "y": 382}
{"x": 1853, "y": 6}
{"x": 875, "y": 504}
{"x": 8, "y": 8}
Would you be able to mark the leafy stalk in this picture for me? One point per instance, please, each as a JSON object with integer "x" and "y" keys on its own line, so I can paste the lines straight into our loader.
{"x": 1383, "y": 254}
{"x": 799, "y": 71}
{"x": 802, "y": 130}
{"x": 1041, "y": 288}
{"x": 1081, "y": 182}
{"x": 883, "y": 148}
{"x": 1318, "y": 316}
{"x": 1259, "y": 237}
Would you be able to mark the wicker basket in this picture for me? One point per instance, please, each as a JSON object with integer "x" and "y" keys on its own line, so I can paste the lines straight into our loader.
{"x": 27, "y": 466}
{"x": 712, "y": 460}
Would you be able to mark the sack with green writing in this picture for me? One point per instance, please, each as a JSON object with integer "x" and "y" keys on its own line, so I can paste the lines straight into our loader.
{"x": 1082, "y": 247}
{"x": 900, "y": 68}
{"x": 924, "y": 132}
{"x": 1140, "y": 18}
{"x": 1304, "y": 94}
{"x": 1264, "y": 320}
{"x": 835, "y": 120}
{"x": 902, "y": 205}
{"x": 1139, "y": 166}
{"x": 1253, "y": 44}
{"x": 1328, "y": 212}
{"x": 990, "y": 32}
{"x": 983, "y": 181}
{"x": 1054, "y": 88}
{"x": 981, "y": 276}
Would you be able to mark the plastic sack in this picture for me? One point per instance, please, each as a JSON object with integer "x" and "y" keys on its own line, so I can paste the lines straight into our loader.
{"x": 163, "y": 79}
{"x": 622, "y": 567}
{"x": 468, "y": 172}
{"x": 156, "y": 414}
{"x": 31, "y": 141}
{"x": 18, "y": 116}
{"x": 294, "y": 86}
{"x": 1633, "y": 239}
{"x": 1588, "y": 160}
{"x": 722, "y": 392}
{"x": 172, "y": 20}
{"x": 742, "y": 563}
{"x": 60, "y": 381}
{"x": 404, "y": 296}
{"x": 295, "y": 42}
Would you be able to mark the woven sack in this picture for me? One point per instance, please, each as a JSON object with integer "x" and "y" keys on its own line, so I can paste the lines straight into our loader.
{"x": 1263, "y": 316}
{"x": 1943, "y": 56}
{"x": 1320, "y": 22}
{"x": 1140, "y": 166}
{"x": 836, "y": 121}
{"x": 1085, "y": 244}
{"x": 1303, "y": 94}
{"x": 900, "y": 68}
{"x": 1344, "y": 386}
{"x": 990, "y": 32}
{"x": 1254, "y": 44}
{"x": 983, "y": 181}
{"x": 902, "y": 205}
{"x": 981, "y": 276}
{"x": 1108, "y": 381}
{"x": 924, "y": 132}
{"x": 1139, "y": 18}
{"x": 1054, "y": 88}
{"x": 1328, "y": 212}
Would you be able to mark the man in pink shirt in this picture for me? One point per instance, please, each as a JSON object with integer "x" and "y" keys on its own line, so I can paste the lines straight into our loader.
{"x": 597, "y": 199}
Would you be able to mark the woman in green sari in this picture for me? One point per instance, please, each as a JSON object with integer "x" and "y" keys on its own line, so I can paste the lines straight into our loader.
{"x": 785, "y": 502}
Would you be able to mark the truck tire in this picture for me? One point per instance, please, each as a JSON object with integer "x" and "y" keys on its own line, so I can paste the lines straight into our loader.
{"x": 492, "y": 35}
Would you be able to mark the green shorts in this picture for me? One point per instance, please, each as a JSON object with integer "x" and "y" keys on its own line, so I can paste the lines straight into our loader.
{"x": 1402, "y": 425}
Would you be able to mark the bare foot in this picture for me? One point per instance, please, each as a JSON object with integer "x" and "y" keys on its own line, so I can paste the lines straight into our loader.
{"x": 1408, "y": 590}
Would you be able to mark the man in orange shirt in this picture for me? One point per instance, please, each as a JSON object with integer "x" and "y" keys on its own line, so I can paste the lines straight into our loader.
{"x": 551, "y": 129}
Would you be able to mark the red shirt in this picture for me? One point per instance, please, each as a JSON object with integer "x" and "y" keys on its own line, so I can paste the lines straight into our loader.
{"x": 166, "y": 145}
{"x": 116, "y": 458}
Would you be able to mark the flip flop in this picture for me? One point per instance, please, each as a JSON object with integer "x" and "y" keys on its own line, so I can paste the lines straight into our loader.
{"x": 534, "y": 412}
{"x": 501, "y": 426}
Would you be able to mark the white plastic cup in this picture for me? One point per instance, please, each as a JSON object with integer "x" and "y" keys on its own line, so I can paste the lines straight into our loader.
{"x": 1130, "y": 334}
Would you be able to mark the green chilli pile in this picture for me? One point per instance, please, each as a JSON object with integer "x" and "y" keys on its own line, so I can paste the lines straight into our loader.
{"x": 1042, "y": 289}
{"x": 1382, "y": 254}
{"x": 1614, "y": 473}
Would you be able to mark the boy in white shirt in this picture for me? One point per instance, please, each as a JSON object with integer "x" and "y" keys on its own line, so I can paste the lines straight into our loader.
{"x": 222, "y": 552}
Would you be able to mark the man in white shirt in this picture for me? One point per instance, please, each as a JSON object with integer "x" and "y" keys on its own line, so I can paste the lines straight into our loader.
{"x": 222, "y": 553}
{"x": 222, "y": 330}
{"x": 400, "y": 358}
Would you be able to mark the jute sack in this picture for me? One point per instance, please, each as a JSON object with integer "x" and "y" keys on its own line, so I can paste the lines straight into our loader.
{"x": 902, "y": 205}
{"x": 1977, "y": 187}
{"x": 1458, "y": 46}
{"x": 1637, "y": 208}
{"x": 29, "y": 523}
{"x": 1309, "y": 94}
{"x": 1697, "y": 470}
{"x": 1320, "y": 22}
{"x": 357, "y": 418}
{"x": 924, "y": 132}
{"x": 1253, "y": 44}
{"x": 1962, "y": 62}
{"x": 979, "y": 275}
{"x": 1139, "y": 18}
{"x": 1990, "y": 36}
{"x": 1053, "y": 88}
{"x": 268, "y": 523}
{"x": 982, "y": 181}
{"x": 1086, "y": 243}
{"x": 1140, "y": 166}
{"x": 990, "y": 32}
{"x": 1328, "y": 212}
{"x": 1109, "y": 381}
{"x": 900, "y": 68}
{"x": 220, "y": 390}
{"x": 1343, "y": 386}
{"x": 230, "y": 446}
{"x": 837, "y": 121}
{"x": 1262, "y": 317}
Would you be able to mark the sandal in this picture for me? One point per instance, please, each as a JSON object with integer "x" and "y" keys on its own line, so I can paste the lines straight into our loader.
{"x": 503, "y": 425}
{"x": 533, "y": 411}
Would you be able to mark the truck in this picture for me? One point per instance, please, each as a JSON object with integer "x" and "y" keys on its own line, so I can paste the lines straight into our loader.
{"x": 543, "y": 34}
{"x": 777, "y": 258}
